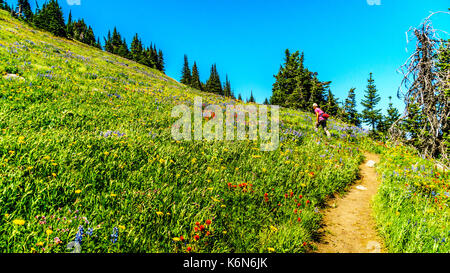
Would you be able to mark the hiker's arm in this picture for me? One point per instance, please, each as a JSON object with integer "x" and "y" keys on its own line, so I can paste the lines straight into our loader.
{"x": 317, "y": 117}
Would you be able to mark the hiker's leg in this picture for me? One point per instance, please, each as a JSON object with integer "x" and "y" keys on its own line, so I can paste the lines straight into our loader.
{"x": 324, "y": 125}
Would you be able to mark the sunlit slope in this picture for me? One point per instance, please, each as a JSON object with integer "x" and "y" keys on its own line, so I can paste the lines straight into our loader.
{"x": 86, "y": 155}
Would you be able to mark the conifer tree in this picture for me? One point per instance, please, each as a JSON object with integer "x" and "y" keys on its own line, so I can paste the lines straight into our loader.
{"x": 351, "y": 113}
{"x": 50, "y": 18}
{"x": 266, "y": 101}
{"x": 137, "y": 50}
{"x": 186, "y": 77}
{"x": 69, "y": 26}
{"x": 214, "y": 85}
{"x": 370, "y": 114}
{"x": 25, "y": 8}
{"x": 108, "y": 43}
{"x": 392, "y": 114}
{"x": 195, "y": 81}
{"x": 332, "y": 106}
{"x": 160, "y": 64}
{"x": 251, "y": 99}
{"x": 227, "y": 88}
{"x": 240, "y": 97}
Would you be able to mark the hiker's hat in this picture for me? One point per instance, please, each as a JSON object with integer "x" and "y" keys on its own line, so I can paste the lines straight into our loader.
{"x": 315, "y": 105}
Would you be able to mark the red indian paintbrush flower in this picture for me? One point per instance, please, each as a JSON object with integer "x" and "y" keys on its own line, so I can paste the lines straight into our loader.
{"x": 208, "y": 222}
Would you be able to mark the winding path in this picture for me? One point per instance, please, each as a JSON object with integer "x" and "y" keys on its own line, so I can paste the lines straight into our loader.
{"x": 349, "y": 226}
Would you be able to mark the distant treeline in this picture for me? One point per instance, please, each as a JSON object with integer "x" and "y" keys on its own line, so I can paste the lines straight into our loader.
{"x": 50, "y": 17}
{"x": 191, "y": 77}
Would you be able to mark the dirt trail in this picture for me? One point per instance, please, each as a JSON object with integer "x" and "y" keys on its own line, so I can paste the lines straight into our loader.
{"x": 349, "y": 226}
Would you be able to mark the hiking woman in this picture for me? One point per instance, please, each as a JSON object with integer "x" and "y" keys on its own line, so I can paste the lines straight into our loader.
{"x": 321, "y": 119}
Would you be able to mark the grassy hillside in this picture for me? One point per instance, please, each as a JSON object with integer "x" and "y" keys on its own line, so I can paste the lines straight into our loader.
{"x": 412, "y": 205}
{"x": 86, "y": 153}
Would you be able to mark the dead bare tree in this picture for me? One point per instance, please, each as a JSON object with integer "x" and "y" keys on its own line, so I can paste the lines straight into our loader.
{"x": 425, "y": 86}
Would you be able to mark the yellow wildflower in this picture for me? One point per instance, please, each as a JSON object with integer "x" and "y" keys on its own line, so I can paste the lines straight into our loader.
{"x": 271, "y": 249}
{"x": 78, "y": 191}
{"x": 159, "y": 213}
{"x": 19, "y": 222}
{"x": 122, "y": 227}
{"x": 49, "y": 231}
{"x": 273, "y": 228}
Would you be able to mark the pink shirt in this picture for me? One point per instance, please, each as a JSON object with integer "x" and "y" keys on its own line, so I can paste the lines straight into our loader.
{"x": 320, "y": 112}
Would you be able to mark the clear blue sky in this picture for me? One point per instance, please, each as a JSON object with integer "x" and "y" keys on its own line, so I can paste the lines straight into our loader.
{"x": 343, "y": 40}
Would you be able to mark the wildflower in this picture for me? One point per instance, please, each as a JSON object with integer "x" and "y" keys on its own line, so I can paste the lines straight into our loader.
{"x": 271, "y": 249}
{"x": 79, "y": 235}
{"x": 113, "y": 195}
{"x": 57, "y": 240}
{"x": 159, "y": 213}
{"x": 181, "y": 238}
{"x": 90, "y": 231}
{"x": 176, "y": 239}
{"x": 77, "y": 191}
{"x": 122, "y": 227}
{"x": 196, "y": 237}
{"x": 40, "y": 243}
{"x": 189, "y": 249}
{"x": 19, "y": 222}
{"x": 208, "y": 222}
{"x": 49, "y": 232}
{"x": 115, "y": 235}
{"x": 274, "y": 229}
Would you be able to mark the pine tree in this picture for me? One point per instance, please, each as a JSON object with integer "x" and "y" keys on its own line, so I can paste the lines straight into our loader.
{"x": 186, "y": 77}
{"x": 108, "y": 43}
{"x": 25, "y": 7}
{"x": 227, "y": 88}
{"x": 295, "y": 86}
{"x": 50, "y": 18}
{"x": 69, "y": 26}
{"x": 370, "y": 114}
{"x": 137, "y": 50}
{"x": 214, "y": 85}
{"x": 392, "y": 114}
{"x": 195, "y": 81}
{"x": 98, "y": 44}
{"x": 266, "y": 101}
{"x": 332, "y": 106}
{"x": 351, "y": 114}
{"x": 160, "y": 63}
{"x": 239, "y": 97}
{"x": 251, "y": 99}
{"x": 123, "y": 50}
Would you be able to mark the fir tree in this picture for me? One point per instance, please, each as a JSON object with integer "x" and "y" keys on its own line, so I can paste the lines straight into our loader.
{"x": 186, "y": 77}
{"x": 195, "y": 81}
{"x": 351, "y": 114}
{"x": 392, "y": 114}
{"x": 137, "y": 50}
{"x": 332, "y": 106}
{"x": 239, "y": 97}
{"x": 25, "y": 8}
{"x": 266, "y": 101}
{"x": 370, "y": 114}
{"x": 227, "y": 88}
{"x": 251, "y": 99}
{"x": 69, "y": 26}
{"x": 160, "y": 63}
{"x": 50, "y": 18}
{"x": 214, "y": 85}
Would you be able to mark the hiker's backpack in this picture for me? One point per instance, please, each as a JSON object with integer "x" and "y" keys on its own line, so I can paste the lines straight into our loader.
{"x": 325, "y": 115}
